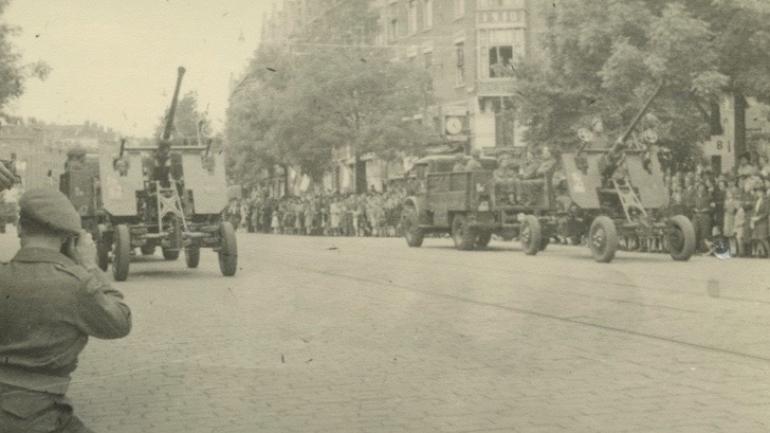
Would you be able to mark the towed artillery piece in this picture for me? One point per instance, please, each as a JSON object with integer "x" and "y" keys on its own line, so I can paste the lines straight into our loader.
{"x": 471, "y": 207}
{"x": 621, "y": 192}
{"x": 166, "y": 196}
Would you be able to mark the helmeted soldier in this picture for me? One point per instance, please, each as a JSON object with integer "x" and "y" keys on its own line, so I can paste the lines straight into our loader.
{"x": 54, "y": 298}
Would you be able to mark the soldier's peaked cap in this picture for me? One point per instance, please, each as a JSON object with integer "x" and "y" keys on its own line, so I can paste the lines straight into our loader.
{"x": 50, "y": 208}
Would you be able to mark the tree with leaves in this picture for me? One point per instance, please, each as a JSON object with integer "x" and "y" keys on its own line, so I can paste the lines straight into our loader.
{"x": 186, "y": 119}
{"x": 13, "y": 73}
{"x": 603, "y": 57}
{"x": 296, "y": 107}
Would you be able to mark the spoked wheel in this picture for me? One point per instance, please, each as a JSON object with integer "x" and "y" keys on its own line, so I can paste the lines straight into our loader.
{"x": 603, "y": 239}
{"x": 681, "y": 238}
{"x": 147, "y": 249}
{"x": 483, "y": 239}
{"x": 462, "y": 235}
{"x": 170, "y": 254}
{"x": 192, "y": 256}
{"x": 228, "y": 250}
{"x": 121, "y": 252}
{"x": 531, "y": 235}
{"x": 411, "y": 227}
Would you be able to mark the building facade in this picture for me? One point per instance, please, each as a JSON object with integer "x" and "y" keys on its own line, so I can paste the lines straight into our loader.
{"x": 471, "y": 48}
{"x": 40, "y": 150}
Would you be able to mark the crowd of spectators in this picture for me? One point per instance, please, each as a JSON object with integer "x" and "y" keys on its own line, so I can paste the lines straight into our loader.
{"x": 320, "y": 214}
{"x": 726, "y": 210}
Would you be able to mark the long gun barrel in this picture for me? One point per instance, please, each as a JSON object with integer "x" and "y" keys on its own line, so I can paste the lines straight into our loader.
{"x": 172, "y": 109}
{"x": 122, "y": 147}
{"x": 620, "y": 142}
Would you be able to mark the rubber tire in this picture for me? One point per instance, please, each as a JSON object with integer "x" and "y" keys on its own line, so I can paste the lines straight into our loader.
{"x": 170, "y": 254}
{"x": 192, "y": 257}
{"x": 483, "y": 239}
{"x": 102, "y": 252}
{"x": 532, "y": 244}
{"x": 685, "y": 226}
{"x": 462, "y": 236}
{"x": 606, "y": 254}
{"x": 121, "y": 252}
{"x": 147, "y": 250}
{"x": 228, "y": 250}
{"x": 544, "y": 243}
{"x": 409, "y": 224}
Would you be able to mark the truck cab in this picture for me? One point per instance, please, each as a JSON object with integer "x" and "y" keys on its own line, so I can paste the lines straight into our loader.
{"x": 468, "y": 205}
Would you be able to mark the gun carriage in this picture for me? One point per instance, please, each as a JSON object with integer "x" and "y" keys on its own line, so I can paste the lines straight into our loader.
{"x": 165, "y": 196}
{"x": 620, "y": 191}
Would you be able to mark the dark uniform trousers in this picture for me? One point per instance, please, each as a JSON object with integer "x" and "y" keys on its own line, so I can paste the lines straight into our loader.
{"x": 24, "y": 411}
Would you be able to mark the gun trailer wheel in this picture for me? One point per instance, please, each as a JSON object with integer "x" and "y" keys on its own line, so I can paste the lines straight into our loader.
{"x": 170, "y": 254}
{"x": 410, "y": 224}
{"x": 228, "y": 250}
{"x": 121, "y": 253}
{"x": 192, "y": 257}
{"x": 102, "y": 250}
{"x": 603, "y": 239}
{"x": 681, "y": 238}
{"x": 462, "y": 235}
{"x": 531, "y": 235}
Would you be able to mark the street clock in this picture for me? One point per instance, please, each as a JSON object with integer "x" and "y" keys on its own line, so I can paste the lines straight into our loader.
{"x": 453, "y": 125}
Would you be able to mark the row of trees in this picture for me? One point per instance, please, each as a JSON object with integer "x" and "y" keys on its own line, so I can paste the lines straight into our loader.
{"x": 604, "y": 56}
{"x": 329, "y": 88}
{"x": 299, "y": 101}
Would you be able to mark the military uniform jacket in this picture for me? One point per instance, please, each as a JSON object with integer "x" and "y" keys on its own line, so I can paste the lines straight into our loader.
{"x": 49, "y": 306}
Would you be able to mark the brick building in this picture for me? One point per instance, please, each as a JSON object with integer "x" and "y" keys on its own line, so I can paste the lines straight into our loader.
{"x": 471, "y": 48}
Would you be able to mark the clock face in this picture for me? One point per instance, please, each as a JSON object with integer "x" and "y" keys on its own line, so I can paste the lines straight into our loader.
{"x": 454, "y": 125}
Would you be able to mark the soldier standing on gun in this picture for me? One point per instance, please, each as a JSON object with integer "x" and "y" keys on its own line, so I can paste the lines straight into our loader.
{"x": 54, "y": 298}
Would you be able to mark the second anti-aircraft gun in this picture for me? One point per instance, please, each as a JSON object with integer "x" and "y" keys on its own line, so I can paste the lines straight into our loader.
{"x": 621, "y": 191}
{"x": 164, "y": 196}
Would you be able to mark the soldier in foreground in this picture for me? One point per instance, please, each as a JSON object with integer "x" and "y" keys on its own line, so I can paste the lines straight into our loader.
{"x": 54, "y": 298}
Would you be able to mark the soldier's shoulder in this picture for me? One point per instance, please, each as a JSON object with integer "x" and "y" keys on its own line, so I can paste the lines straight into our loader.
{"x": 77, "y": 272}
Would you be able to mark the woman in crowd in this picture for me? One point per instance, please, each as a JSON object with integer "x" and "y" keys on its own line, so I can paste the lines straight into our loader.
{"x": 759, "y": 221}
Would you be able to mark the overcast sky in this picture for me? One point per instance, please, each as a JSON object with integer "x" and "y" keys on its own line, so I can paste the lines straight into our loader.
{"x": 114, "y": 61}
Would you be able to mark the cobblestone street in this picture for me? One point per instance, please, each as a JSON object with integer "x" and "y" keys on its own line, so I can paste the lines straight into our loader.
{"x": 367, "y": 335}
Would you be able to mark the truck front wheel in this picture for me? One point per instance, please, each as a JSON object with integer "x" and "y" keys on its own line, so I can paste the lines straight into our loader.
{"x": 411, "y": 227}
{"x": 531, "y": 235}
{"x": 462, "y": 235}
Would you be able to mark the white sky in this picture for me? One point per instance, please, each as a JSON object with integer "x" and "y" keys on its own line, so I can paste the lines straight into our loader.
{"x": 114, "y": 61}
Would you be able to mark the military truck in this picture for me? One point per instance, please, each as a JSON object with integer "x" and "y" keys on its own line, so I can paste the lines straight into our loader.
{"x": 166, "y": 196}
{"x": 471, "y": 207}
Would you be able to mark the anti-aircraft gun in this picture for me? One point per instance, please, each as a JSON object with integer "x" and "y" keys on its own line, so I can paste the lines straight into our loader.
{"x": 620, "y": 190}
{"x": 164, "y": 196}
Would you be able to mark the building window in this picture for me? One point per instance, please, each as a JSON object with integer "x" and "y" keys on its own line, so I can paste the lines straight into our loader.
{"x": 459, "y": 8}
{"x": 500, "y": 50}
{"x": 412, "y": 17}
{"x": 427, "y": 14}
{"x": 460, "y": 57}
{"x": 501, "y": 61}
{"x": 393, "y": 22}
{"x": 428, "y": 60}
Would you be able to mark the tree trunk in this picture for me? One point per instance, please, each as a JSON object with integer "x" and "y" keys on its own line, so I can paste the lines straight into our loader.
{"x": 740, "y": 127}
{"x": 286, "y": 188}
